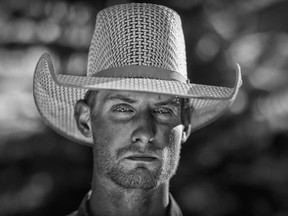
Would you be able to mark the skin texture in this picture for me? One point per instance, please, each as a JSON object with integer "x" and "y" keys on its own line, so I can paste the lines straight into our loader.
{"x": 137, "y": 141}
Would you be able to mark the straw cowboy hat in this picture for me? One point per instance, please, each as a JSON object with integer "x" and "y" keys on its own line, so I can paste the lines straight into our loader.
{"x": 135, "y": 47}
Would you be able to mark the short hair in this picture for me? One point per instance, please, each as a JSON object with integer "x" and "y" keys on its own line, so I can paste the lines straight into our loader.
{"x": 90, "y": 97}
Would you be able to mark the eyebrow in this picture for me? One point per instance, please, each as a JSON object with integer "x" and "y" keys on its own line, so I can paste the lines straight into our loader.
{"x": 122, "y": 98}
{"x": 170, "y": 101}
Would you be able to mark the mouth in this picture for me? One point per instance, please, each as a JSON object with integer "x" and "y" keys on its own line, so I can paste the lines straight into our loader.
{"x": 142, "y": 158}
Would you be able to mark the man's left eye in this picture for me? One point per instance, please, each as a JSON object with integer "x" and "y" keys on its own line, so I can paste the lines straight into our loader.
{"x": 163, "y": 110}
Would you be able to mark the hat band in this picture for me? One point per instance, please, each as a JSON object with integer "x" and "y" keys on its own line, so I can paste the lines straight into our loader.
{"x": 141, "y": 71}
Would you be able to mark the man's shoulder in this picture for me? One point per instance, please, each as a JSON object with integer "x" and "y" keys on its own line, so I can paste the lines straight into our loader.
{"x": 83, "y": 208}
{"x": 73, "y": 213}
{"x": 78, "y": 213}
{"x": 174, "y": 209}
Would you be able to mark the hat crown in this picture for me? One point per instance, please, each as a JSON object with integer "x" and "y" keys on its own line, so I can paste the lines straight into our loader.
{"x": 137, "y": 34}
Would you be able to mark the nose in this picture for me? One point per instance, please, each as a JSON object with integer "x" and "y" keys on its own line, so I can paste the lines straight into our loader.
{"x": 144, "y": 129}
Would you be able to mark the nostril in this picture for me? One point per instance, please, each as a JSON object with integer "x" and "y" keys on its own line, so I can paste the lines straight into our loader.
{"x": 142, "y": 138}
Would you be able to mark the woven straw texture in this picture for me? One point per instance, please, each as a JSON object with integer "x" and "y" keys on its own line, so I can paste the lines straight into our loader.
{"x": 56, "y": 94}
{"x": 137, "y": 34}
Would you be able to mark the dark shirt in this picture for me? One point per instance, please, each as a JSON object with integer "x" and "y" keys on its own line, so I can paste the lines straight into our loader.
{"x": 173, "y": 208}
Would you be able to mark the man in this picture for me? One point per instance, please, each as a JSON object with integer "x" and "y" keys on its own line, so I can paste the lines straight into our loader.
{"x": 135, "y": 107}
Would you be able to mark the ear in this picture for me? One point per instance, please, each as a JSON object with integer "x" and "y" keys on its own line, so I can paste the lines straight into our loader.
{"x": 82, "y": 117}
{"x": 186, "y": 121}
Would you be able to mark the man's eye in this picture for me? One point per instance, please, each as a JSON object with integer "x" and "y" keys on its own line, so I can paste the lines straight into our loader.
{"x": 122, "y": 108}
{"x": 162, "y": 110}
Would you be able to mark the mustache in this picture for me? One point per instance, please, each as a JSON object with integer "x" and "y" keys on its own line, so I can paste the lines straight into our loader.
{"x": 150, "y": 149}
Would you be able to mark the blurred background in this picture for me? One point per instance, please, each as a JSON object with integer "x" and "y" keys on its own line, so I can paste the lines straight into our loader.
{"x": 236, "y": 166}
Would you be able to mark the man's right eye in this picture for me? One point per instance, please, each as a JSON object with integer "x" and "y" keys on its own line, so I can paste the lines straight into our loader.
{"x": 122, "y": 108}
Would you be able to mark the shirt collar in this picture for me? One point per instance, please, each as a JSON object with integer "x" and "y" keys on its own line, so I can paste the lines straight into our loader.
{"x": 173, "y": 208}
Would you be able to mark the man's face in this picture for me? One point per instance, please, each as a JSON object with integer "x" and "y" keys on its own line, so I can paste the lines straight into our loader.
{"x": 137, "y": 137}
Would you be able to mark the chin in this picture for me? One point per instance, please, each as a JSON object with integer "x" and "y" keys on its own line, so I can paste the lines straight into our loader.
{"x": 139, "y": 178}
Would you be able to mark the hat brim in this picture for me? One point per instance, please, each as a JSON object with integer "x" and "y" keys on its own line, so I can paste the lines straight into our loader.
{"x": 56, "y": 94}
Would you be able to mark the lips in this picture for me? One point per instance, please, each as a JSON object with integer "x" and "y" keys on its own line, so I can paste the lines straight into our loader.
{"x": 145, "y": 158}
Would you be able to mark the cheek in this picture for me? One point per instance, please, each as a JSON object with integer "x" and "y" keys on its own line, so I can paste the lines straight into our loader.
{"x": 176, "y": 134}
{"x": 101, "y": 132}
{"x": 172, "y": 137}
{"x": 173, "y": 149}
{"x": 100, "y": 135}
{"x": 109, "y": 133}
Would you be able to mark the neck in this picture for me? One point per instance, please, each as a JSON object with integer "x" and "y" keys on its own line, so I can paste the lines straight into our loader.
{"x": 109, "y": 199}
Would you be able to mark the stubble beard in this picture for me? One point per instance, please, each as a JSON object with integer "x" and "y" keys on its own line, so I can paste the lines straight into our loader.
{"x": 140, "y": 177}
